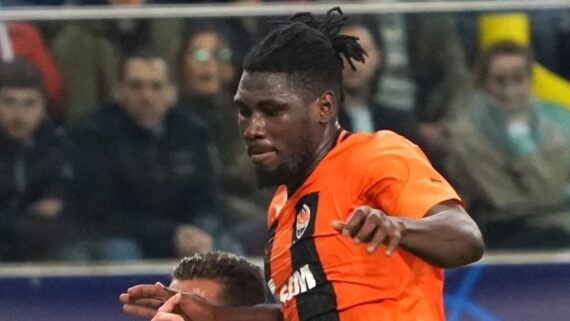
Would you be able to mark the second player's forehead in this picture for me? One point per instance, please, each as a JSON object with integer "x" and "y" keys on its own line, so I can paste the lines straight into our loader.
{"x": 210, "y": 289}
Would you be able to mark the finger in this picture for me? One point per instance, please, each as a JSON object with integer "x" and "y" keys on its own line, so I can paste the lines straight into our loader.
{"x": 128, "y": 299}
{"x": 377, "y": 239}
{"x": 150, "y": 302}
{"x": 163, "y": 316}
{"x": 138, "y": 310}
{"x": 150, "y": 290}
{"x": 393, "y": 242}
{"x": 365, "y": 234}
{"x": 338, "y": 225}
{"x": 355, "y": 221}
{"x": 124, "y": 298}
{"x": 169, "y": 305}
{"x": 195, "y": 307}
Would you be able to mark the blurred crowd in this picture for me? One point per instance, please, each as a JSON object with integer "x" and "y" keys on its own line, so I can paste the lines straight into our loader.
{"x": 119, "y": 139}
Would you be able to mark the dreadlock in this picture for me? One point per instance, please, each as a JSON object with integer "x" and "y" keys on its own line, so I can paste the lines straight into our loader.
{"x": 308, "y": 49}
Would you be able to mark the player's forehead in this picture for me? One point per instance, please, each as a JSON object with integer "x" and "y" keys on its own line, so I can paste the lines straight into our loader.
{"x": 209, "y": 289}
{"x": 257, "y": 86}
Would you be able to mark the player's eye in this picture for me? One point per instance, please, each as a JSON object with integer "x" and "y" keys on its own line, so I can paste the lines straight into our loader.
{"x": 243, "y": 110}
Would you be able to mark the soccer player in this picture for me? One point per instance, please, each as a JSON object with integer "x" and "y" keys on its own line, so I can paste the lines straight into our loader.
{"x": 360, "y": 224}
{"x": 216, "y": 278}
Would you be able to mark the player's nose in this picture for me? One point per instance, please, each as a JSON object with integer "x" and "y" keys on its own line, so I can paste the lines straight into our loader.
{"x": 254, "y": 127}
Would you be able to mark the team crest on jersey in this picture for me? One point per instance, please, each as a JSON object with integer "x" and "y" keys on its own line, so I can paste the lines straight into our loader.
{"x": 302, "y": 221}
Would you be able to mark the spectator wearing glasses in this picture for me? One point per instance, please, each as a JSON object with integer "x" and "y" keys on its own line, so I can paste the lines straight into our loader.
{"x": 205, "y": 73}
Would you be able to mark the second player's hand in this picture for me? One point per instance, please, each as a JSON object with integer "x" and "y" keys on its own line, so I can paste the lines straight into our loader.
{"x": 372, "y": 226}
{"x": 166, "y": 311}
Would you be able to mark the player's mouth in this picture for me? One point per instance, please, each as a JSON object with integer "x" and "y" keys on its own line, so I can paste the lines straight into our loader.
{"x": 262, "y": 156}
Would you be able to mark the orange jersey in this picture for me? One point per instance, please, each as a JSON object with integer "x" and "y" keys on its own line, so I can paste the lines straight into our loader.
{"x": 319, "y": 274}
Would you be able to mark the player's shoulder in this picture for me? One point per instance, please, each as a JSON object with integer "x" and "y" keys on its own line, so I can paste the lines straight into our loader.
{"x": 382, "y": 142}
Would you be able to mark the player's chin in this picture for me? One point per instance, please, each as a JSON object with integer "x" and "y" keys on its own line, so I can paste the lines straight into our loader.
{"x": 268, "y": 177}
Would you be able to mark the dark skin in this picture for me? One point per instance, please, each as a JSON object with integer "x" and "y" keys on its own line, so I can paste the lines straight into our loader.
{"x": 272, "y": 114}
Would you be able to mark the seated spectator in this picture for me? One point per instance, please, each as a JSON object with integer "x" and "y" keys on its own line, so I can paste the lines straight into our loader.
{"x": 423, "y": 71}
{"x": 33, "y": 168}
{"x": 359, "y": 111}
{"x": 560, "y": 116}
{"x": 205, "y": 72}
{"x": 88, "y": 53}
{"x": 220, "y": 278}
{"x": 23, "y": 40}
{"x": 509, "y": 161}
{"x": 146, "y": 173}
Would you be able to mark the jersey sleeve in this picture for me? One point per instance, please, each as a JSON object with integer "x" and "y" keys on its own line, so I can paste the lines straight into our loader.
{"x": 399, "y": 179}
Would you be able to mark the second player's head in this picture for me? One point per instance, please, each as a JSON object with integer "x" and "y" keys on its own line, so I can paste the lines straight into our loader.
{"x": 289, "y": 92}
{"x": 221, "y": 278}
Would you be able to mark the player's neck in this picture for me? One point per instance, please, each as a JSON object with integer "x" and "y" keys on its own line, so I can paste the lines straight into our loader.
{"x": 327, "y": 143}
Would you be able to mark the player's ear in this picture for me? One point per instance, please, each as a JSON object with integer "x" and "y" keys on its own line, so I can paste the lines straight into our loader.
{"x": 326, "y": 107}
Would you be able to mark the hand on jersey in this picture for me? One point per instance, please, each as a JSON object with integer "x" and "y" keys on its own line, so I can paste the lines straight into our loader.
{"x": 372, "y": 226}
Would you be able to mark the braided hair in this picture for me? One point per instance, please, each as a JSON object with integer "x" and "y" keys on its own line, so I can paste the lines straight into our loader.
{"x": 308, "y": 49}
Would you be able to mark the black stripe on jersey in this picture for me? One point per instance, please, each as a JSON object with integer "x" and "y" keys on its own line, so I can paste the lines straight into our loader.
{"x": 268, "y": 250}
{"x": 318, "y": 303}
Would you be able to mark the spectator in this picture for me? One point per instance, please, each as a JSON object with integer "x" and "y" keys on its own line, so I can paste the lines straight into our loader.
{"x": 24, "y": 40}
{"x": 359, "y": 111}
{"x": 424, "y": 71}
{"x": 88, "y": 54}
{"x": 146, "y": 175}
{"x": 205, "y": 69}
{"x": 510, "y": 162}
{"x": 33, "y": 168}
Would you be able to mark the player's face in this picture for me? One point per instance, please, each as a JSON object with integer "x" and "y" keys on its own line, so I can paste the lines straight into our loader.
{"x": 280, "y": 128}
{"x": 146, "y": 93}
{"x": 21, "y": 111}
{"x": 508, "y": 80}
{"x": 208, "y": 289}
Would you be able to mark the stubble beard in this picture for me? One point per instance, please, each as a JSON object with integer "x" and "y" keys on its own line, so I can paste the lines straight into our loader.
{"x": 289, "y": 170}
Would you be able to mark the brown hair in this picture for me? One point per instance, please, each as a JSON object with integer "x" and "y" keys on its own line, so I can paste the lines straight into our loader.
{"x": 505, "y": 47}
{"x": 20, "y": 73}
{"x": 242, "y": 281}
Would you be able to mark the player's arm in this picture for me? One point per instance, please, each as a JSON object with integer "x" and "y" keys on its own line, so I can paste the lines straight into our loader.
{"x": 445, "y": 237}
{"x": 154, "y": 301}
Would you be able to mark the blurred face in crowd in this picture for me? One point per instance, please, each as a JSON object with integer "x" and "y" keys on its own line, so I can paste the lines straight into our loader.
{"x": 209, "y": 289}
{"x": 357, "y": 81}
{"x": 508, "y": 80}
{"x": 207, "y": 64}
{"x": 146, "y": 92}
{"x": 21, "y": 111}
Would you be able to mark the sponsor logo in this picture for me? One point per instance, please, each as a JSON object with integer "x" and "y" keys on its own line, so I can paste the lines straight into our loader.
{"x": 299, "y": 282}
{"x": 302, "y": 221}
